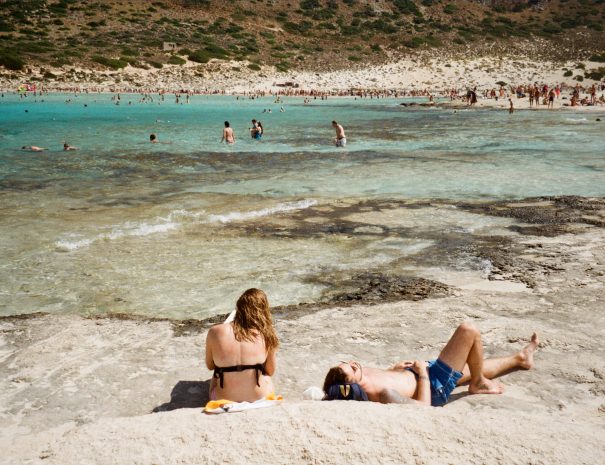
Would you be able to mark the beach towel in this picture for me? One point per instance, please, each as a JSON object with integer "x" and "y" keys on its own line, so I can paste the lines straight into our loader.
{"x": 228, "y": 406}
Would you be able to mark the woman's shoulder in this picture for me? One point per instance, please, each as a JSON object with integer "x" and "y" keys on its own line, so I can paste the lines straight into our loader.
{"x": 220, "y": 329}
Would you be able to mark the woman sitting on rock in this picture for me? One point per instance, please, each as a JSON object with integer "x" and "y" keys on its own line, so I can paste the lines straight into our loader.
{"x": 242, "y": 352}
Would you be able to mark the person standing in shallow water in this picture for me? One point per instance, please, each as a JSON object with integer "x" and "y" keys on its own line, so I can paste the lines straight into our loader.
{"x": 243, "y": 352}
{"x": 255, "y": 131}
{"x": 228, "y": 135}
{"x": 511, "y": 109}
{"x": 341, "y": 139}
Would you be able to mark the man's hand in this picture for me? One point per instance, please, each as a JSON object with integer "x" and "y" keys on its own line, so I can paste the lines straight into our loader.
{"x": 417, "y": 366}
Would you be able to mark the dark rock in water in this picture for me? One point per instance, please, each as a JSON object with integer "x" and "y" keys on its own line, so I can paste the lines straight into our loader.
{"x": 377, "y": 287}
{"x": 368, "y": 288}
{"x": 549, "y": 230}
{"x": 550, "y": 212}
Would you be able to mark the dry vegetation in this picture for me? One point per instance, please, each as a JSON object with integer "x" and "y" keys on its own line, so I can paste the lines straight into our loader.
{"x": 309, "y": 34}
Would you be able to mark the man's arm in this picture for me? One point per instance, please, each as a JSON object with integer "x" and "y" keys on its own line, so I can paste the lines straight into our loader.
{"x": 391, "y": 396}
{"x": 423, "y": 391}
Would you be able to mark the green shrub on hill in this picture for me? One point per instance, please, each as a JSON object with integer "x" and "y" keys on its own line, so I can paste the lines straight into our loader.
{"x": 302, "y": 28}
{"x": 112, "y": 63}
{"x": 209, "y": 52}
{"x": 200, "y": 56}
{"x": 415, "y": 42}
{"x": 217, "y": 51}
{"x": 432, "y": 41}
{"x": 129, "y": 52}
{"x": 600, "y": 58}
{"x": 176, "y": 60}
{"x": 407, "y": 7}
{"x": 10, "y": 60}
{"x": 550, "y": 29}
{"x": 5, "y": 26}
{"x": 381, "y": 25}
{"x": 595, "y": 74}
{"x": 450, "y": 9}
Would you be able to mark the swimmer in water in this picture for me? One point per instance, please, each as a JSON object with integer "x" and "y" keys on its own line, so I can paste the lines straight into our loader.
{"x": 67, "y": 147}
{"x": 228, "y": 135}
{"x": 33, "y": 148}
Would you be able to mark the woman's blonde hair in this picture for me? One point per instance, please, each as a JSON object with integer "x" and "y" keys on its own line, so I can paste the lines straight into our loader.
{"x": 253, "y": 317}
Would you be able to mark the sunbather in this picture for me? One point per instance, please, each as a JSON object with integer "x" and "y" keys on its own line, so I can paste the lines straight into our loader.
{"x": 430, "y": 383}
{"x": 242, "y": 352}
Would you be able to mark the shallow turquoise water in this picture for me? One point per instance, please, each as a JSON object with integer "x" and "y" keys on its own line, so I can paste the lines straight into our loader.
{"x": 125, "y": 225}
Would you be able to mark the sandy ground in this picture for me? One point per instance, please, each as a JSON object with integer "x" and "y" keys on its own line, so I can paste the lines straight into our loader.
{"x": 81, "y": 391}
{"x": 421, "y": 72}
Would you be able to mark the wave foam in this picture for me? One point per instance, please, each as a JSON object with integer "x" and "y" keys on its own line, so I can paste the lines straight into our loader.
{"x": 282, "y": 207}
{"x": 67, "y": 245}
{"x": 175, "y": 221}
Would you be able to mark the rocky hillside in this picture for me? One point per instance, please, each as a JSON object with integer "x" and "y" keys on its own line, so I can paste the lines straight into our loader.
{"x": 290, "y": 34}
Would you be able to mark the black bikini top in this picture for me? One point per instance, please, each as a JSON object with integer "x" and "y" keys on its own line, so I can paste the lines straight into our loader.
{"x": 219, "y": 371}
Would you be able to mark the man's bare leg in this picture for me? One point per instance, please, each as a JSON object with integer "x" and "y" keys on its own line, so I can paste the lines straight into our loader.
{"x": 494, "y": 367}
{"x": 465, "y": 349}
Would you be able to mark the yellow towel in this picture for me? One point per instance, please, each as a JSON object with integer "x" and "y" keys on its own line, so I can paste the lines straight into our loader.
{"x": 223, "y": 405}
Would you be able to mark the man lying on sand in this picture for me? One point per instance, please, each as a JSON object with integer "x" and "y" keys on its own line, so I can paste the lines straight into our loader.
{"x": 430, "y": 383}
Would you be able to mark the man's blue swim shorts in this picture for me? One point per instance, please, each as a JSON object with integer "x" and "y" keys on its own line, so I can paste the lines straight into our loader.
{"x": 443, "y": 380}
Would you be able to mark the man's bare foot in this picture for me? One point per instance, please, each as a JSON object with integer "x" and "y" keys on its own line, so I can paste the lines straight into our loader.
{"x": 526, "y": 355}
{"x": 485, "y": 386}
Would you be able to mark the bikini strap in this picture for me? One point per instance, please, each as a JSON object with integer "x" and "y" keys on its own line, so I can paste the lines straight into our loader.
{"x": 219, "y": 371}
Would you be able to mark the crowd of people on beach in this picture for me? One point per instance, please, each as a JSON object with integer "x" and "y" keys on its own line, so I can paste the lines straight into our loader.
{"x": 504, "y": 91}
{"x": 544, "y": 95}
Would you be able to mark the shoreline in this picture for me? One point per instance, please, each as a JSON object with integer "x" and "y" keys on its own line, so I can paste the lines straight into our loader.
{"x": 73, "y": 384}
{"x": 426, "y": 102}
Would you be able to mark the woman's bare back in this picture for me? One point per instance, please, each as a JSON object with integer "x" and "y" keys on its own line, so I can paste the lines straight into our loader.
{"x": 223, "y": 350}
